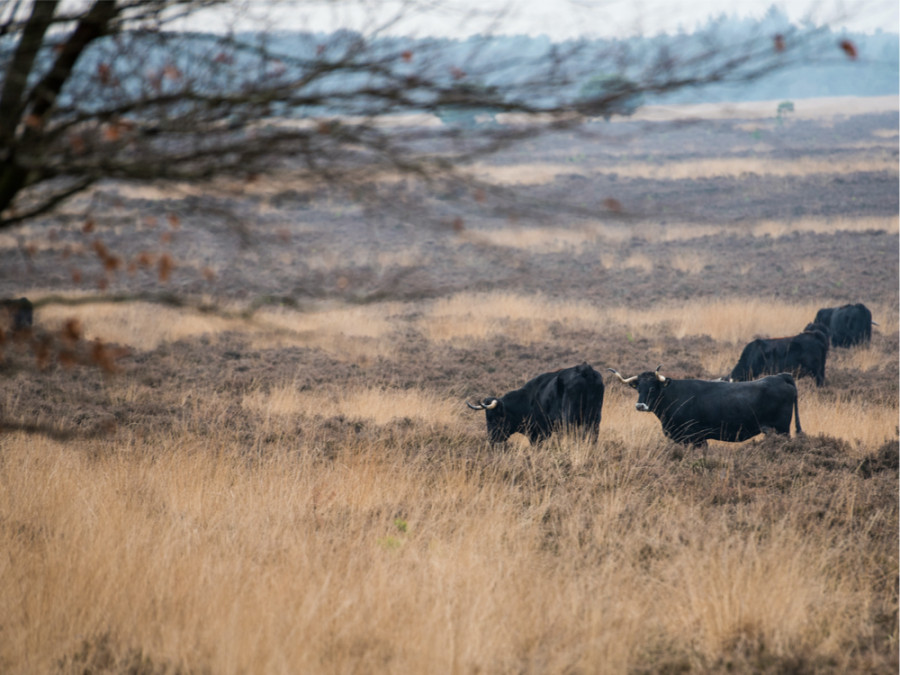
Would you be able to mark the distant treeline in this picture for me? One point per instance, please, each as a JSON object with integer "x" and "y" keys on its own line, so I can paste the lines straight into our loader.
{"x": 811, "y": 62}
{"x": 819, "y": 67}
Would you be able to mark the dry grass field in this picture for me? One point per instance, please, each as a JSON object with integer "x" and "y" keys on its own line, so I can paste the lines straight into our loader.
{"x": 301, "y": 488}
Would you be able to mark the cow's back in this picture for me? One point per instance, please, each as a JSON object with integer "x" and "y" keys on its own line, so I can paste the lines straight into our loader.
{"x": 757, "y": 358}
{"x": 580, "y": 391}
{"x": 571, "y": 397}
{"x": 728, "y": 411}
{"x": 853, "y": 325}
{"x": 848, "y": 324}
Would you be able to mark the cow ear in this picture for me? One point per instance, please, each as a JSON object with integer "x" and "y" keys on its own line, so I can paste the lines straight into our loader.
{"x": 633, "y": 385}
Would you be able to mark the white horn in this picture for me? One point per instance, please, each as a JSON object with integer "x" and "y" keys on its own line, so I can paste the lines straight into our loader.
{"x": 493, "y": 404}
{"x": 475, "y": 407}
{"x": 659, "y": 377}
{"x": 628, "y": 381}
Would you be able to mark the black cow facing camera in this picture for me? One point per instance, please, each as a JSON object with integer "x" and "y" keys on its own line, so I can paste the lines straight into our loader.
{"x": 694, "y": 411}
{"x": 571, "y": 398}
{"x": 19, "y": 313}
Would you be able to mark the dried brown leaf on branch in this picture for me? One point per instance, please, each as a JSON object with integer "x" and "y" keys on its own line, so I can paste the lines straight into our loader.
{"x": 849, "y": 49}
{"x": 104, "y": 73}
{"x": 33, "y": 122}
{"x": 111, "y": 132}
{"x": 77, "y": 143}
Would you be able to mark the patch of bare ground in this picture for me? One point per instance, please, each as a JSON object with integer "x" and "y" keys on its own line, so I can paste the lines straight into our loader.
{"x": 283, "y": 476}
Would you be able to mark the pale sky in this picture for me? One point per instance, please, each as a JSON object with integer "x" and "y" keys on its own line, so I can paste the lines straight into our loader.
{"x": 558, "y": 19}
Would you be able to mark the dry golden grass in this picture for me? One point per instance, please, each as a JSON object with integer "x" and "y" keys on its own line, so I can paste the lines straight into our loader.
{"x": 777, "y": 228}
{"x": 863, "y": 424}
{"x": 885, "y": 133}
{"x": 538, "y": 173}
{"x": 377, "y": 405}
{"x": 712, "y": 167}
{"x": 691, "y": 262}
{"x": 638, "y": 261}
{"x": 141, "y": 325}
{"x": 191, "y": 553}
{"x": 863, "y": 358}
{"x": 482, "y": 316}
{"x": 350, "y": 333}
{"x": 775, "y": 589}
{"x": 527, "y": 318}
{"x": 808, "y": 265}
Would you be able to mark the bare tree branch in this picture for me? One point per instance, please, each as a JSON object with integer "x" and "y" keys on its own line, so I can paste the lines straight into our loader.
{"x": 107, "y": 100}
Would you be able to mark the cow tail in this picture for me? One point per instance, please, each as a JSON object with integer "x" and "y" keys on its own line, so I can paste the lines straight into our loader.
{"x": 798, "y": 431}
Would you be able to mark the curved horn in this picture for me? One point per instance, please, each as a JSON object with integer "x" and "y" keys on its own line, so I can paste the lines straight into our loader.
{"x": 659, "y": 377}
{"x": 626, "y": 381}
{"x": 874, "y": 323}
{"x": 493, "y": 404}
{"x": 475, "y": 407}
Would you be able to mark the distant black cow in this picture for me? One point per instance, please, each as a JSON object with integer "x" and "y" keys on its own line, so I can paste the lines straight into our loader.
{"x": 849, "y": 325}
{"x": 568, "y": 398}
{"x": 692, "y": 411}
{"x": 802, "y": 354}
{"x": 19, "y": 313}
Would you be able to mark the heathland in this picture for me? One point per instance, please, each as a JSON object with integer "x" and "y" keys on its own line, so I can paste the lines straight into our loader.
{"x": 298, "y": 486}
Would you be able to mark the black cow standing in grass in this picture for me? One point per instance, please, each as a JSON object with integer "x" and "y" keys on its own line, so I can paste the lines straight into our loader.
{"x": 693, "y": 411}
{"x": 19, "y": 313}
{"x": 848, "y": 325}
{"x": 571, "y": 398}
{"x": 802, "y": 354}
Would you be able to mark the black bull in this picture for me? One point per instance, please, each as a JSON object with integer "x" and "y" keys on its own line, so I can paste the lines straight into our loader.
{"x": 849, "y": 325}
{"x": 693, "y": 411}
{"x": 570, "y": 398}
{"x": 802, "y": 354}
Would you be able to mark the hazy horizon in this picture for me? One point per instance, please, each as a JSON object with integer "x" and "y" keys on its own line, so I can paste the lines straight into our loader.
{"x": 572, "y": 19}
